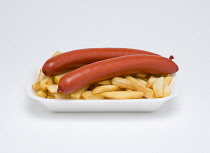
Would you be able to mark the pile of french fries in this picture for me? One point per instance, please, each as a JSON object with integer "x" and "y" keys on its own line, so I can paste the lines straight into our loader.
{"x": 134, "y": 86}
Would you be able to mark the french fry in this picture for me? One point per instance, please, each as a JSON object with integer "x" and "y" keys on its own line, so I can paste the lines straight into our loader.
{"x": 151, "y": 81}
{"x": 139, "y": 75}
{"x": 89, "y": 95}
{"x": 56, "y": 53}
{"x": 36, "y": 86}
{"x": 52, "y": 88}
{"x": 158, "y": 87}
{"x": 105, "y": 82}
{"x": 123, "y": 94}
{"x": 168, "y": 79}
{"x": 59, "y": 76}
{"x": 62, "y": 96}
{"x": 128, "y": 90}
{"x": 46, "y": 81}
{"x": 78, "y": 93}
{"x": 41, "y": 76}
{"x": 141, "y": 81}
{"x": 148, "y": 93}
{"x": 161, "y": 75}
{"x": 50, "y": 97}
{"x": 50, "y": 94}
{"x": 123, "y": 83}
{"x": 166, "y": 90}
{"x": 132, "y": 79}
{"x": 105, "y": 88}
{"x": 42, "y": 93}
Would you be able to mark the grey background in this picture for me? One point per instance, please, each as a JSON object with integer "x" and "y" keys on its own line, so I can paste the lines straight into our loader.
{"x": 30, "y": 31}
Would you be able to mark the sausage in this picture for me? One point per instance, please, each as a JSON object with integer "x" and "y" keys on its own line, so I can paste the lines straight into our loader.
{"x": 77, "y": 58}
{"x": 105, "y": 69}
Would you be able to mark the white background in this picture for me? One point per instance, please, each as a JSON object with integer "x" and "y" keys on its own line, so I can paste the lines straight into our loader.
{"x": 30, "y": 31}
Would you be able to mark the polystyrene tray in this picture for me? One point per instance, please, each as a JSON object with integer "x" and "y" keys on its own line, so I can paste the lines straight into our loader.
{"x": 70, "y": 105}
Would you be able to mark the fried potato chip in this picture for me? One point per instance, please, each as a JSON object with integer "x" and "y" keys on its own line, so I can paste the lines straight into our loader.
{"x": 89, "y": 95}
{"x": 168, "y": 79}
{"x": 78, "y": 93}
{"x": 139, "y": 75}
{"x": 52, "y": 88}
{"x": 160, "y": 75}
{"x": 59, "y": 76}
{"x": 141, "y": 81}
{"x": 123, "y": 94}
{"x": 41, "y": 76}
{"x": 105, "y": 88}
{"x": 42, "y": 93}
{"x": 56, "y": 53}
{"x": 46, "y": 81}
{"x": 50, "y": 97}
{"x": 148, "y": 93}
{"x": 123, "y": 83}
{"x": 62, "y": 96}
{"x": 36, "y": 86}
{"x": 50, "y": 94}
{"x": 105, "y": 82}
{"x": 151, "y": 81}
{"x": 166, "y": 90}
{"x": 128, "y": 90}
{"x": 158, "y": 87}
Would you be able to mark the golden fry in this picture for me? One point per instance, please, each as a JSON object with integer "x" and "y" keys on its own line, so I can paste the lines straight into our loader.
{"x": 166, "y": 90}
{"x": 62, "y": 96}
{"x": 59, "y": 76}
{"x": 158, "y": 87}
{"x": 160, "y": 75}
{"x": 41, "y": 76}
{"x": 46, "y": 81}
{"x": 42, "y": 93}
{"x": 168, "y": 79}
{"x": 50, "y": 94}
{"x": 52, "y": 88}
{"x": 151, "y": 81}
{"x": 123, "y": 94}
{"x": 139, "y": 75}
{"x": 78, "y": 93}
{"x": 105, "y": 82}
{"x": 50, "y": 97}
{"x": 141, "y": 81}
{"x": 89, "y": 95}
{"x": 123, "y": 83}
{"x": 36, "y": 86}
{"x": 141, "y": 87}
{"x": 56, "y": 53}
{"x": 128, "y": 90}
{"x": 105, "y": 88}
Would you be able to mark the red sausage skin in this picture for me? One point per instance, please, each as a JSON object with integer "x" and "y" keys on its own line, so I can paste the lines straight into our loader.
{"x": 77, "y": 58}
{"x": 105, "y": 69}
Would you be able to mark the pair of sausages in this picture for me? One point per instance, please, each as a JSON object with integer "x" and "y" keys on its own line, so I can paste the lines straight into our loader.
{"x": 96, "y": 64}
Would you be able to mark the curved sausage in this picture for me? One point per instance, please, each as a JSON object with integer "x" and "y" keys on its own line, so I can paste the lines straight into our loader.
{"x": 105, "y": 69}
{"x": 77, "y": 58}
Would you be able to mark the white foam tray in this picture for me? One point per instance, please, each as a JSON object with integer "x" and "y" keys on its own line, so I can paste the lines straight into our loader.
{"x": 70, "y": 105}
